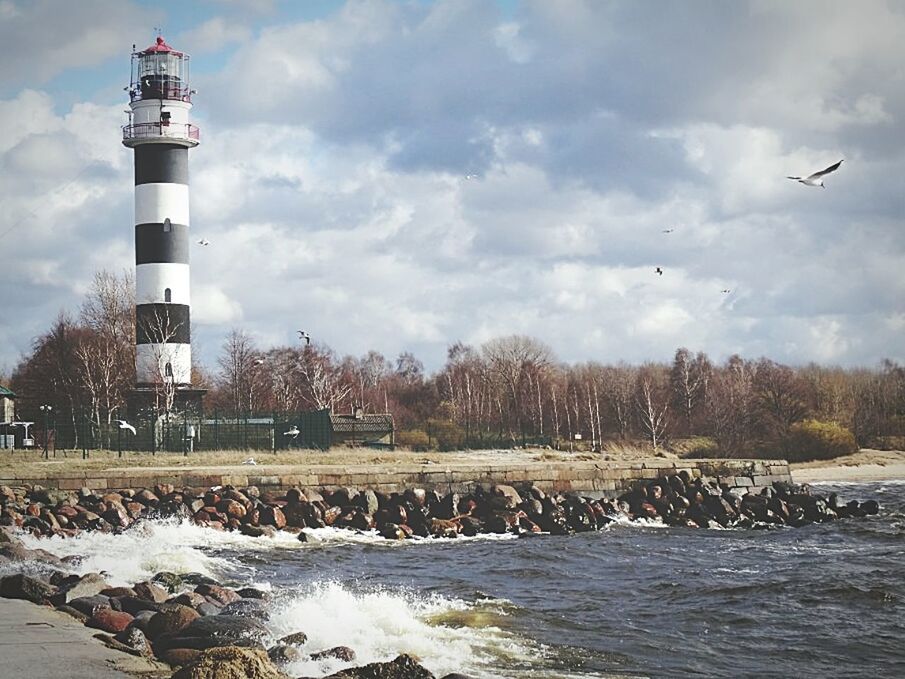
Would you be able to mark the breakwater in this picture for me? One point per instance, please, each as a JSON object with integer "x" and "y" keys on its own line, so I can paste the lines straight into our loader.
{"x": 596, "y": 479}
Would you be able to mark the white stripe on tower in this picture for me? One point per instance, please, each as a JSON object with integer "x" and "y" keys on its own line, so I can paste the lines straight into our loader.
{"x": 156, "y": 202}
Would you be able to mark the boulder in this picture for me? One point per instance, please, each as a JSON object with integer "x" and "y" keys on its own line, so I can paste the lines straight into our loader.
{"x": 272, "y": 516}
{"x": 170, "y": 621}
{"x": 192, "y": 599}
{"x": 295, "y": 639}
{"x": 230, "y": 663}
{"x": 171, "y": 581}
{"x": 135, "y": 639}
{"x": 89, "y": 605}
{"x": 69, "y": 610}
{"x": 88, "y": 585}
{"x": 220, "y": 596}
{"x": 343, "y": 653}
{"x": 178, "y": 657}
{"x": 251, "y": 608}
{"x": 21, "y": 586}
{"x": 207, "y": 608}
{"x": 252, "y": 593}
{"x": 403, "y": 667}
{"x": 283, "y": 655}
{"x": 151, "y": 592}
{"x": 215, "y": 630}
{"x": 108, "y": 620}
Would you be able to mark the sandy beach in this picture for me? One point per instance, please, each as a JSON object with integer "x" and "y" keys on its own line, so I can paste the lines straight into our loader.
{"x": 865, "y": 465}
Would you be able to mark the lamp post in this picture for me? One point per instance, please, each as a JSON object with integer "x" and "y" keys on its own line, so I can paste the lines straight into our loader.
{"x": 46, "y": 408}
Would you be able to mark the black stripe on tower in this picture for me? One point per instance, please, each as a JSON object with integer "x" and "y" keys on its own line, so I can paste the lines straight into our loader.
{"x": 161, "y": 163}
{"x": 161, "y": 244}
{"x": 162, "y": 324}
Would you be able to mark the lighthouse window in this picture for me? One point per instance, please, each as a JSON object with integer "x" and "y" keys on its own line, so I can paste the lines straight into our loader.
{"x": 167, "y": 296}
{"x": 167, "y": 225}
{"x": 168, "y": 370}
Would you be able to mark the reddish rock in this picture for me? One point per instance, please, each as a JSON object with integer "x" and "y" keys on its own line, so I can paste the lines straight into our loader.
{"x": 217, "y": 594}
{"x": 232, "y": 508}
{"x": 272, "y": 516}
{"x": 108, "y": 620}
{"x": 170, "y": 621}
{"x": 151, "y": 591}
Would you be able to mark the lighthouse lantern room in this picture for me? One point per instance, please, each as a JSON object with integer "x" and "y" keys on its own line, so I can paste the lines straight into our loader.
{"x": 160, "y": 133}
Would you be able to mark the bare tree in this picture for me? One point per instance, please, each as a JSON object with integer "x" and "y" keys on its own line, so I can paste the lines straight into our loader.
{"x": 510, "y": 361}
{"x": 652, "y": 401}
{"x": 689, "y": 378}
{"x": 159, "y": 329}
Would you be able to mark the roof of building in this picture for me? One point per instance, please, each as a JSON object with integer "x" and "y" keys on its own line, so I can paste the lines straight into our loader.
{"x": 6, "y": 392}
{"x": 160, "y": 46}
{"x": 365, "y": 423}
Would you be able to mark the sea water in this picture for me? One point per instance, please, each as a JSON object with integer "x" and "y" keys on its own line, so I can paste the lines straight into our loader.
{"x": 631, "y": 600}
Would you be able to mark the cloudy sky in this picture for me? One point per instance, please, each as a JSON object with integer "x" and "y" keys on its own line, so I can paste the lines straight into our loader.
{"x": 402, "y": 175}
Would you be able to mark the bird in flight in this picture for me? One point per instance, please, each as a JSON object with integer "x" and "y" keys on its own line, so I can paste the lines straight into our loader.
{"x": 726, "y": 291}
{"x": 816, "y": 179}
{"x": 668, "y": 230}
{"x": 293, "y": 432}
{"x": 125, "y": 425}
{"x": 259, "y": 361}
{"x": 204, "y": 241}
{"x": 304, "y": 336}
{"x": 658, "y": 271}
{"x": 471, "y": 176}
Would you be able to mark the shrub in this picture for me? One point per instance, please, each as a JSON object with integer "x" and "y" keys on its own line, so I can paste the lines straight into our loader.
{"x": 696, "y": 447}
{"x": 815, "y": 440}
{"x": 416, "y": 439}
{"x": 447, "y": 435}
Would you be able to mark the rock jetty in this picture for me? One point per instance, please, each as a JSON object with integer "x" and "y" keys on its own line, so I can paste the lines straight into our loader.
{"x": 677, "y": 500}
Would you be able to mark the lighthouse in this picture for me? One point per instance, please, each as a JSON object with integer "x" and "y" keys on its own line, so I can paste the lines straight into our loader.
{"x": 160, "y": 133}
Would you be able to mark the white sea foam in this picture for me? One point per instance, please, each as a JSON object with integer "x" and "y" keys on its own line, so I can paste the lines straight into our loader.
{"x": 447, "y": 635}
{"x": 147, "y": 548}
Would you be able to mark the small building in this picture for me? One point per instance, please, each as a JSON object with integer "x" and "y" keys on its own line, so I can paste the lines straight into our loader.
{"x": 7, "y": 417}
{"x": 322, "y": 429}
{"x": 359, "y": 428}
{"x": 7, "y": 405}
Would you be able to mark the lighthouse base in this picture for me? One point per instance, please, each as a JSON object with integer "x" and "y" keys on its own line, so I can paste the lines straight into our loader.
{"x": 144, "y": 403}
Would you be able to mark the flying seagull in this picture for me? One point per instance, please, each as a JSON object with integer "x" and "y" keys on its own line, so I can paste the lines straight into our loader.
{"x": 816, "y": 179}
{"x": 204, "y": 241}
{"x": 259, "y": 361}
{"x": 658, "y": 271}
{"x": 668, "y": 230}
{"x": 726, "y": 291}
{"x": 293, "y": 432}
{"x": 471, "y": 176}
{"x": 125, "y": 425}
{"x": 304, "y": 336}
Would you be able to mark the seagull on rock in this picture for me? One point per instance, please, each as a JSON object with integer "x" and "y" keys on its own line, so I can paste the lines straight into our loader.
{"x": 125, "y": 425}
{"x": 816, "y": 179}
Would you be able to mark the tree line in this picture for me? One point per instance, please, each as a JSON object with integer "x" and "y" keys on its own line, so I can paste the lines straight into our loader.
{"x": 508, "y": 391}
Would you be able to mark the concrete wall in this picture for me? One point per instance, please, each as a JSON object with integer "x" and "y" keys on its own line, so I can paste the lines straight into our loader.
{"x": 593, "y": 479}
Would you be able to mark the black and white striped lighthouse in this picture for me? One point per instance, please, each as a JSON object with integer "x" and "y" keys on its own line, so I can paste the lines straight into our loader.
{"x": 160, "y": 133}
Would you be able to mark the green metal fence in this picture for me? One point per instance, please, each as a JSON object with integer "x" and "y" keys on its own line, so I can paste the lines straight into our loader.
{"x": 182, "y": 433}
